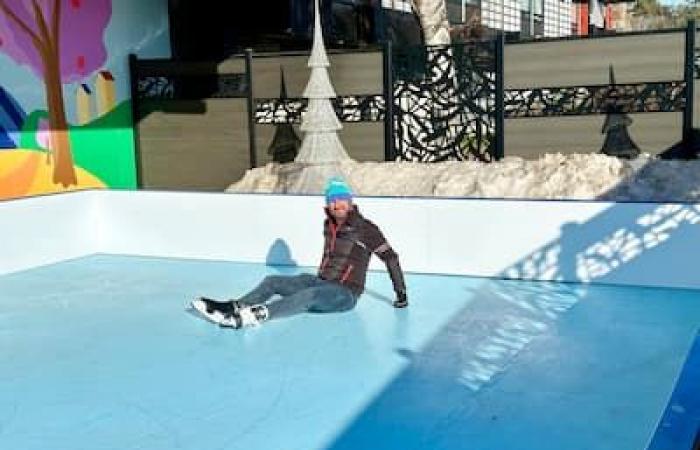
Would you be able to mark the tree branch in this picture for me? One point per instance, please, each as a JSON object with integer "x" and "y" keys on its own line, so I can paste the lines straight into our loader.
{"x": 37, "y": 40}
{"x": 41, "y": 23}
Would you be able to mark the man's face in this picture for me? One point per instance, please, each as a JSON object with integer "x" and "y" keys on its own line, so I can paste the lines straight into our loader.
{"x": 339, "y": 209}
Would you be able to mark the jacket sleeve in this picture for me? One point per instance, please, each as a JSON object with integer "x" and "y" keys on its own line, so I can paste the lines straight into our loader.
{"x": 324, "y": 254}
{"x": 377, "y": 244}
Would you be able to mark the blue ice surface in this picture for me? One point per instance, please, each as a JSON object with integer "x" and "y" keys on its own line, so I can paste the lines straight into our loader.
{"x": 99, "y": 353}
{"x": 680, "y": 424}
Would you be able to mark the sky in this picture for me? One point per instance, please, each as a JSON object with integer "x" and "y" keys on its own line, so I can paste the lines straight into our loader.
{"x": 671, "y": 2}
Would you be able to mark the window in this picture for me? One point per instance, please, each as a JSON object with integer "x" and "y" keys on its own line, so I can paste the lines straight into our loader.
{"x": 501, "y": 14}
{"x": 557, "y": 18}
{"x": 536, "y": 5}
{"x": 398, "y": 5}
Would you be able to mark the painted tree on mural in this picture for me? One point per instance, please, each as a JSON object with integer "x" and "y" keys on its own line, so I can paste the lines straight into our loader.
{"x": 62, "y": 41}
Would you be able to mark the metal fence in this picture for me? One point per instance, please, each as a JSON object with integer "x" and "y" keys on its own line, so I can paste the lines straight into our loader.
{"x": 444, "y": 102}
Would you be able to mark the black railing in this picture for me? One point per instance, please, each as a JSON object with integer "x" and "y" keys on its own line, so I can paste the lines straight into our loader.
{"x": 388, "y": 87}
{"x": 689, "y": 76}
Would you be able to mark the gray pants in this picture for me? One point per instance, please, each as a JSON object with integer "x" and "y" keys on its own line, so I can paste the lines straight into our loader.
{"x": 300, "y": 293}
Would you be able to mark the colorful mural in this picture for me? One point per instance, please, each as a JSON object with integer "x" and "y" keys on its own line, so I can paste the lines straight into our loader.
{"x": 78, "y": 133}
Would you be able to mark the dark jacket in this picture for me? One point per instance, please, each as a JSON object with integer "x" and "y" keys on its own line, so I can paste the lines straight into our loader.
{"x": 348, "y": 249}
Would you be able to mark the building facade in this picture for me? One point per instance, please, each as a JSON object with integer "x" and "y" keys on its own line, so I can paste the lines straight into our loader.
{"x": 279, "y": 25}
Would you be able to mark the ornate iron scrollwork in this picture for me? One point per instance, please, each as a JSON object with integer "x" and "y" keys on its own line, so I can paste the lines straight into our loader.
{"x": 445, "y": 102}
{"x": 662, "y": 96}
{"x": 156, "y": 87}
{"x": 192, "y": 87}
{"x": 349, "y": 108}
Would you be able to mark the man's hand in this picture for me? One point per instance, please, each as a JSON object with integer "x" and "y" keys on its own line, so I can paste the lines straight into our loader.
{"x": 401, "y": 300}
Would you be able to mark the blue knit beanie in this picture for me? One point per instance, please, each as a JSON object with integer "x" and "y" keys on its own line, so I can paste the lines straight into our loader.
{"x": 337, "y": 189}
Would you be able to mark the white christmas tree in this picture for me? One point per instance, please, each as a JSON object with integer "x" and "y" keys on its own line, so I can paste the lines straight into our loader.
{"x": 321, "y": 152}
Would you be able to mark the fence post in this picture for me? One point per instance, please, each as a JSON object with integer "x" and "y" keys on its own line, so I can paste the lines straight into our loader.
{"x": 499, "y": 147}
{"x": 388, "y": 81}
{"x": 134, "y": 75}
{"x": 689, "y": 77}
{"x": 251, "y": 107}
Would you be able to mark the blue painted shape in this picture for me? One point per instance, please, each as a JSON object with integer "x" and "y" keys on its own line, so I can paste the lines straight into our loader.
{"x": 98, "y": 353}
{"x": 12, "y": 116}
{"x": 680, "y": 424}
{"x": 5, "y": 140}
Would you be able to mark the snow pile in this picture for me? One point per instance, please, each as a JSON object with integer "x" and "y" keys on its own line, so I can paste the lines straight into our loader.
{"x": 553, "y": 176}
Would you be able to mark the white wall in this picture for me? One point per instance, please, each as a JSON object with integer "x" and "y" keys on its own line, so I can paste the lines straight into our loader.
{"x": 638, "y": 244}
{"x": 43, "y": 230}
{"x": 210, "y": 226}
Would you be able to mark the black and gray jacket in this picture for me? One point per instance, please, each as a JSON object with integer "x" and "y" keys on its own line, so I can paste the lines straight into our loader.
{"x": 348, "y": 249}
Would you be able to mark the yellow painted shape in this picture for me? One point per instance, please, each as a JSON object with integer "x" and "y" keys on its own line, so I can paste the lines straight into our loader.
{"x": 26, "y": 173}
{"x": 106, "y": 95}
{"x": 83, "y": 107}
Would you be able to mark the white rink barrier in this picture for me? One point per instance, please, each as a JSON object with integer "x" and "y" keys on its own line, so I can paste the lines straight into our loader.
{"x": 642, "y": 244}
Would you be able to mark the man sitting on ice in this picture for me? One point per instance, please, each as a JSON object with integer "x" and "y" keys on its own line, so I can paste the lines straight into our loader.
{"x": 350, "y": 241}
